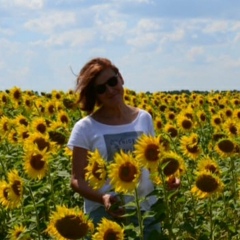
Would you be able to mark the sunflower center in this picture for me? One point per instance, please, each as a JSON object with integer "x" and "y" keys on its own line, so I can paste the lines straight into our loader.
{"x": 152, "y": 152}
{"x": 173, "y": 132}
{"x": 233, "y": 130}
{"x": 51, "y": 109}
{"x": 110, "y": 234}
{"x": 203, "y": 117}
{"x": 186, "y": 124}
{"x": 217, "y": 121}
{"x": 16, "y": 187}
{"x": 17, "y": 95}
{"x": 23, "y": 122}
{"x": 171, "y": 167}
{"x": 57, "y": 137}
{"x": 5, "y": 127}
{"x": 41, "y": 128}
{"x": 64, "y": 119}
{"x": 127, "y": 172}
{"x": 41, "y": 143}
{"x": 211, "y": 168}
{"x": 192, "y": 149}
{"x": 228, "y": 113}
{"x": 71, "y": 227}
{"x": 36, "y": 162}
{"x": 95, "y": 171}
{"x": 207, "y": 183}
{"x": 5, "y": 193}
{"x": 226, "y": 145}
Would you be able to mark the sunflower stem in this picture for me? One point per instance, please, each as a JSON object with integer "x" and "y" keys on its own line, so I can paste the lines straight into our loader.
{"x": 35, "y": 208}
{"x": 168, "y": 215}
{"x": 139, "y": 215}
{"x": 211, "y": 220}
{"x": 52, "y": 189}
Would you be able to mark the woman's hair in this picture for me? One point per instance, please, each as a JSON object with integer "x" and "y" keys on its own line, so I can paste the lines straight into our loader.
{"x": 85, "y": 82}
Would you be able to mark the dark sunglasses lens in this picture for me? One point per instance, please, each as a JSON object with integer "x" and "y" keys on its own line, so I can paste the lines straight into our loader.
{"x": 100, "y": 89}
{"x": 112, "y": 82}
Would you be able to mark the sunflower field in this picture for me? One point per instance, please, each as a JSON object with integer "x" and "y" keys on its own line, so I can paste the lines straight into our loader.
{"x": 197, "y": 141}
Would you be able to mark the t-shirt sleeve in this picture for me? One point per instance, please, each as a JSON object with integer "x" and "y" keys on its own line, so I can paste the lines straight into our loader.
{"x": 78, "y": 136}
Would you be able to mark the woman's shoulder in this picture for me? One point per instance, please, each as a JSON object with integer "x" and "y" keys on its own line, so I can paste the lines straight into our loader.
{"x": 143, "y": 113}
{"x": 85, "y": 121}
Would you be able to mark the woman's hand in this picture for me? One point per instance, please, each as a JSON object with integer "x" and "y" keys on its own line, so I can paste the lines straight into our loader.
{"x": 113, "y": 206}
{"x": 173, "y": 183}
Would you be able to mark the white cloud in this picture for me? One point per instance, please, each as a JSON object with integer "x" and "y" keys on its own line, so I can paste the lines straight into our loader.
{"x": 51, "y": 21}
{"x": 194, "y": 53}
{"x": 142, "y": 40}
{"x": 216, "y": 26}
{"x": 29, "y": 4}
{"x": 73, "y": 38}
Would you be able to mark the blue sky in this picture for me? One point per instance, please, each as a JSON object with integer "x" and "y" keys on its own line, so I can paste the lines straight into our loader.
{"x": 158, "y": 45}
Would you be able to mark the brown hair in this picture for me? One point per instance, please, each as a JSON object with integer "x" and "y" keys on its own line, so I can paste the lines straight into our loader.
{"x": 85, "y": 82}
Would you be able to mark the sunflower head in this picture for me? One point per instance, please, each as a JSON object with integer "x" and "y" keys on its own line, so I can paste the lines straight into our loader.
{"x": 147, "y": 151}
{"x": 124, "y": 172}
{"x": 207, "y": 184}
{"x": 69, "y": 224}
{"x": 96, "y": 170}
{"x": 108, "y": 230}
{"x": 171, "y": 163}
{"x": 225, "y": 147}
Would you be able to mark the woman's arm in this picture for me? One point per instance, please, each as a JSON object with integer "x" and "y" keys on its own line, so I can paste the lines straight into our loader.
{"x": 78, "y": 183}
{"x": 81, "y": 186}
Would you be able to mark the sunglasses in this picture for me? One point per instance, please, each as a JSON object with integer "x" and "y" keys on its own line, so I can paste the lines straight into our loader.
{"x": 111, "y": 82}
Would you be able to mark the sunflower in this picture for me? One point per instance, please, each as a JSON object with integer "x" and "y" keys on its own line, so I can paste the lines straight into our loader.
{"x": 216, "y": 120}
{"x": 227, "y": 113}
{"x": 13, "y": 136}
{"x": 108, "y": 230}
{"x": 96, "y": 170}
{"x": 158, "y": 123}
{"x": 38, "y": 141}
{"x": 147, "y": 151}
{"x": 36, "y": 163}
{"x": 225, "y": 147}
{"x": 68, "y": 223}
{"x": 184, "y": 123}
{"x": 189, "y": 146}
{"x": 201, "y": 117}
{"x": 16, "y": 94}
{"x": 19, "y": 232}
{"x": 236, "y": 114}
{"x": 50, "y": 107}
{"x": 170, "y": 163}
{"x": 5, "y": 124}
{"x": 124, "y": 172}
{"x": 171, "y": 130}
{"x": 63, "y": 117}
{"x": 208, "y": 164}
{"x": 28, "y": 102}
{"x": 4, "y": 195}
{"x": 15, "y": 191}
{"x": 207, "y": 184}
{"x": 170, "y": 116}
{"x": 23, "y": 133}
{"x": 231, "y": 127}
{"x": 57, "y": 132}
{"x": 56, "y": 94}
{"x": 22, "y": 120}
{"x": 39, "y": 124}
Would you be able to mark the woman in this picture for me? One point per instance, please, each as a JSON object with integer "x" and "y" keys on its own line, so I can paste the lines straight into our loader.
{"x": 112, "y": 127}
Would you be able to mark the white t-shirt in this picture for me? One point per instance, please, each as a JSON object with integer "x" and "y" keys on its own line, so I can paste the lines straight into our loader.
{"x": 90, "y": 134}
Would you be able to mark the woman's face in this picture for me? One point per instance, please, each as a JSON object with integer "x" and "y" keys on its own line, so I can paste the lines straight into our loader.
{"x": 109, "y": 88}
